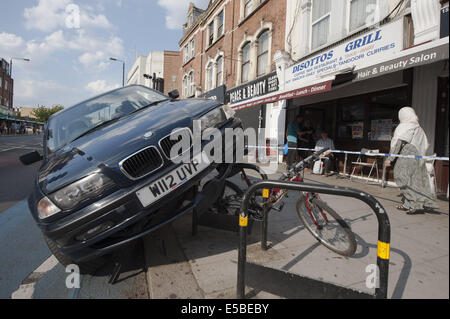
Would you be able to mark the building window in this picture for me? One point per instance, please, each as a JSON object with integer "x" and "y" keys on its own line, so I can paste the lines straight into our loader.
{"x": 1, "y": 82}
{"x": 211, "y": 33}
{"x": 245, "y": 63}
{"x": 219, "y": 74}
{"x": 263, "y": 53}
{"x": 188, "y": 51}
{"x": 209, "y": 76}
{"x": 185, "y": 86}
{"x": 320, "y": 21}
{"x": 359, "y": 12}
{"x": 191, "y": 84}
{"x": 220, "y": 24}
{"x": 248, "y": 7}
{"x": 6, "y": 85}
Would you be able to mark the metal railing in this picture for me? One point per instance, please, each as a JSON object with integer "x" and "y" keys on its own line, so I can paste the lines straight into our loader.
{"x": 384, "y": 231}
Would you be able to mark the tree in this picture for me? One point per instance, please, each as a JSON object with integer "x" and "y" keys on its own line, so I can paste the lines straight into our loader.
{"x": 42, "y": 114}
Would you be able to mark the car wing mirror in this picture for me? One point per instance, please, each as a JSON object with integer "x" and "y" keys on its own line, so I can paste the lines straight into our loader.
{"x": 31, "y": 158}
{"x": 174, "y": 94}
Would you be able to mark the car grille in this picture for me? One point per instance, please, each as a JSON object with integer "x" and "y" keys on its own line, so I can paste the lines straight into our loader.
{"x": 142, "y": 163}
{"x": 166, "y": 143}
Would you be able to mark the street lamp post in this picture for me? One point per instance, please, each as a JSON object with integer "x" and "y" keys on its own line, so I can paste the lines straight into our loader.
{"x": 123, "y": 69}
{"x": 11, "y": 63}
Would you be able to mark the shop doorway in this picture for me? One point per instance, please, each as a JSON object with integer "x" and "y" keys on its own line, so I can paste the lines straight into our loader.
{"x": 442, "y": 135}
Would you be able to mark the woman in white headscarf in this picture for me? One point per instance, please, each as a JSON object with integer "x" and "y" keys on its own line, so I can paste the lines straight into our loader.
{"x": 410, "y": 174}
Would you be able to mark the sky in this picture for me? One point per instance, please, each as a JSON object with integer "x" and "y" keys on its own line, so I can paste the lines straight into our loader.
{"x": 70, "y": 42}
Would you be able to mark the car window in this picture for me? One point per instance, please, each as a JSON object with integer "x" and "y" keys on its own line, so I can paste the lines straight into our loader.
{"x": 73, "y": 122}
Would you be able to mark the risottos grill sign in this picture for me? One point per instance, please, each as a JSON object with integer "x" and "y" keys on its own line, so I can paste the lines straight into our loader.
{"x": 259, "y": 87}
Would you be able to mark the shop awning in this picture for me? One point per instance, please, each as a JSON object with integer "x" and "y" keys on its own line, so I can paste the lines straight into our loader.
{"x": 312, "y": 89}
{"x": 426, "y": 53}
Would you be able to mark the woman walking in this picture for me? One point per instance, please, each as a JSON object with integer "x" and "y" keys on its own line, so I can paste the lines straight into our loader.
{"x": 410, "y": 174}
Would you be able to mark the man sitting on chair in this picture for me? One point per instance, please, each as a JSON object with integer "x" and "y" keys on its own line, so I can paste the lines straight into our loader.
{"x": 329, "y": 159}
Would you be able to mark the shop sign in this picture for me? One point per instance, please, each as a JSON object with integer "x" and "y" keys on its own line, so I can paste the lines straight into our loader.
{"x": 365, "y": 50}
{"x": 413, "y": 60}
{"x": 259, "y": 87}
{"x": 301, "y": 92}
{"x": 444, "y": 22}
{"x": 218, "y": 94}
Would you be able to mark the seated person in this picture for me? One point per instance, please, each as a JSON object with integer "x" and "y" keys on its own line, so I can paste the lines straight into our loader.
{"x": 124, "y": 109}
{"x": 329, "y": 160}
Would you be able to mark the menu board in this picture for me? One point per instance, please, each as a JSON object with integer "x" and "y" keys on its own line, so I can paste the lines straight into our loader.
{"x": 381, "y": 130}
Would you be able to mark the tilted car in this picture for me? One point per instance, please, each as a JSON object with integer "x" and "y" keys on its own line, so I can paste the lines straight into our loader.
{"x": 108, "y": 176}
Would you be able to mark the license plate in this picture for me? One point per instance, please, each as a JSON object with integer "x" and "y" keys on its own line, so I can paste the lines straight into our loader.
{"x": 170, "y": 182}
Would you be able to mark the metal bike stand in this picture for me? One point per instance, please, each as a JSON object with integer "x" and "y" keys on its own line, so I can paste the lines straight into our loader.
{"x": 306, "y": 286}
{"x": 203, "y": 217}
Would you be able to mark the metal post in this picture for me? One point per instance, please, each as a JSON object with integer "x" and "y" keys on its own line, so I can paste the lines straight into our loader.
{"x": 242, "y": 255}
{"x": 383, "y": 177}
{"x": 264, "y": 227}
{"x": 123, "y": 74}
{"x": 345, "y": 166}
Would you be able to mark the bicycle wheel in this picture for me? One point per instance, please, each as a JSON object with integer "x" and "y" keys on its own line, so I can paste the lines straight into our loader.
{"x": 326, "y": 225}
{"x": 229, "y": 203}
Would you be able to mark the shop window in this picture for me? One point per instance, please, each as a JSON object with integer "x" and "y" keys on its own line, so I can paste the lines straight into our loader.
{"x": 360, "y": 12}
{"x": 320, "y": 21}
{"x": 219, "y": 74}
{"x": 352, "y": 121}
{"x": 245, "y": 63}
{"x": 263, "y": 53}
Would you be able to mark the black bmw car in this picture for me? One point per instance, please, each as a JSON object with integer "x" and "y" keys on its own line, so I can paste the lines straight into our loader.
{"x": 108, "y": 175}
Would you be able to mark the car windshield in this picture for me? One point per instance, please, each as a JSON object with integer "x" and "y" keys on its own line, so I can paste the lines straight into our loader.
{"x": 66, "y": 126}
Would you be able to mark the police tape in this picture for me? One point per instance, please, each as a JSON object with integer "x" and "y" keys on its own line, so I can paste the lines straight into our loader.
{"x": 356, "y": 153}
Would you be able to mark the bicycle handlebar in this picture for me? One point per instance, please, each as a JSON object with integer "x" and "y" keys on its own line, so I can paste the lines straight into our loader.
{"x": 306, "y": 160}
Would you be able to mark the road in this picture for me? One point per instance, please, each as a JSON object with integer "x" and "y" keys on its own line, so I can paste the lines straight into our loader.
{"x": 27, "y": 269}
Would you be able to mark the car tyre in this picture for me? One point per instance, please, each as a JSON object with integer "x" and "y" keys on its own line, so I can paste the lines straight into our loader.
{"x": 88, "y": 267}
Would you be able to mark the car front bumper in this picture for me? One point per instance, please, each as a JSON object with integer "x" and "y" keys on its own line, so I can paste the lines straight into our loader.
{"x": 120, "y": 217}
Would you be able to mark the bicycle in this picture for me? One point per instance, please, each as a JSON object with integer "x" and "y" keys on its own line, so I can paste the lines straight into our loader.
{"x": 318, "y": 217}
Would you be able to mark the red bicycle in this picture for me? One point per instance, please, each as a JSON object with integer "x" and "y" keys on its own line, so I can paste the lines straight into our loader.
{"x": 319, "y": 218}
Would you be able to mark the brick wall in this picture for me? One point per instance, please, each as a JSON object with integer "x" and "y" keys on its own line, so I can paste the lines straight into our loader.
{"x": 236, "y": 30}
{"x": 172, "y": 63}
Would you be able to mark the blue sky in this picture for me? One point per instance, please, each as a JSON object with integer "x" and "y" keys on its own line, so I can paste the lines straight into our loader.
{"x": 69, "y": 64}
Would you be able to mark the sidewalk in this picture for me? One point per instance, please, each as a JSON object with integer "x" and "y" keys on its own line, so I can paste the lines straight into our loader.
{"x": 205, "y": 266}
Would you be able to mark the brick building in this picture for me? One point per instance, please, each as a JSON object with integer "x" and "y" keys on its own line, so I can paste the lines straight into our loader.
{"x": 6, "y": 86}
{"x": 231, "y": 44}
{"x": 162, "y": 64}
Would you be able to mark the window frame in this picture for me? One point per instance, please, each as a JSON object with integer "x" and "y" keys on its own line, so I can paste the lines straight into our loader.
{"x": 312, "y": 23}
{"x": 258, "y": 55}
{"x": 211, "y": 37}
{"x": 348, "y": 11}
{"x": 244, "y": 63}
{"x": 248, "y": 3}
{"x": 222, "y": 24}
{"x": 219, "y": 81}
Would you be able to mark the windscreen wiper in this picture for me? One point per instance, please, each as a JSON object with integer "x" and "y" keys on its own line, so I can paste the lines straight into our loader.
{"x": 96, "y": 128}
{"x": 151, "y": 104}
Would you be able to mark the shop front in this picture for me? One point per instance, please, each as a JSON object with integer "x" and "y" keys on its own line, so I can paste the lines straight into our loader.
{"x": 372, "y": 77}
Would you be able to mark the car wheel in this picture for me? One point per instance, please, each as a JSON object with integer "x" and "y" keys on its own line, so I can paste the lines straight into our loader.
{"x": 88, "y": 267}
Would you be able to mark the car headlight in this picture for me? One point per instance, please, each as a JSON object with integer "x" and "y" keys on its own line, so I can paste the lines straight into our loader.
{"x": 216, "y": 117}
{"x": 88, "y": 187}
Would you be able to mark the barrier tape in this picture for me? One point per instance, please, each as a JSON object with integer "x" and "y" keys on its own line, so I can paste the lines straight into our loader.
{"x": 358, "y": 153}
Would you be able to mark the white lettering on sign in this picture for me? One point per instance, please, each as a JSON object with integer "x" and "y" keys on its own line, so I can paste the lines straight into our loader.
{"x": 361, "y": 52}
